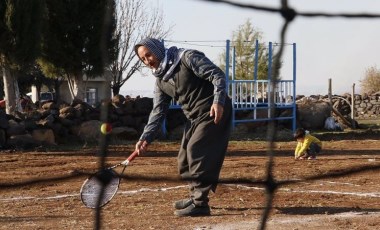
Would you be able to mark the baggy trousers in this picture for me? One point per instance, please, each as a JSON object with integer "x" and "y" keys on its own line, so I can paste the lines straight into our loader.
{"x": 203, "y": 148}
{"x": 313, "y": 149}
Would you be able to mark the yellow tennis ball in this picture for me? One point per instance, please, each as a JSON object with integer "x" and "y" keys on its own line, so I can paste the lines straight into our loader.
{"x": 105, "y": 128}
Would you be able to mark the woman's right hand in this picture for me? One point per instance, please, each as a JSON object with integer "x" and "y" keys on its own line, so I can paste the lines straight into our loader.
{"x": 141, "y": 147}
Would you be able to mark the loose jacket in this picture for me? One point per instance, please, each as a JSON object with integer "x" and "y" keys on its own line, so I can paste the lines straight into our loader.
{"x": 196, "y": 84}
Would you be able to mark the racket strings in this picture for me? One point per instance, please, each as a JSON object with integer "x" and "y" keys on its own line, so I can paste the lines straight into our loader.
{"x": 91, "y": 190}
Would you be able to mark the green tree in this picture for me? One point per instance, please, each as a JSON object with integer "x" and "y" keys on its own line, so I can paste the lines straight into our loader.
{"x": 244, "y": 41}
{"x": 133, "y": 24}
{"x": 21, "y": 22}
{"x": 371, "y": 81}
{"x": 78, "y": 40}
{"x": 34, "y": 77}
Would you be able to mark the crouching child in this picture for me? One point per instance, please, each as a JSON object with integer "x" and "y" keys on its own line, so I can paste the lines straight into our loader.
{"x": 308, "y": 146}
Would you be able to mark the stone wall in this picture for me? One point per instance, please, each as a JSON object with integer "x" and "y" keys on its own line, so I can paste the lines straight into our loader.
{"x": 367, "y": 106}
{"x": 53, "y": 124}
{"x": 66, "y": 123}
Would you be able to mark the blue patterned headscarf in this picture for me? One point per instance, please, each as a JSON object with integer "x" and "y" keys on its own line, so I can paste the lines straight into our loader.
{"x": 169, "y": 58}
{"x": 154, "y": 46}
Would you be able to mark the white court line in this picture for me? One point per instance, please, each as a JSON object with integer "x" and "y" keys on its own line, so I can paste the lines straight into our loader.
{"x": 329, "y": 182}
{"x": 77, "y": 194}
{"x": 287, "y": 222}
{"x": 360, "y": 194}
{"x": 37, "y": 198}
{"x": 334, "y": 182}
{"x": 152, "y": 189}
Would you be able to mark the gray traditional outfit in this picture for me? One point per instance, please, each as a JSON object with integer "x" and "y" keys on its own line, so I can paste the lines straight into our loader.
{"x": 191, "y": 79}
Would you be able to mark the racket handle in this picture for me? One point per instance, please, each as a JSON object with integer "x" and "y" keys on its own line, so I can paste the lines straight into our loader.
{"x": 130, "y": 158}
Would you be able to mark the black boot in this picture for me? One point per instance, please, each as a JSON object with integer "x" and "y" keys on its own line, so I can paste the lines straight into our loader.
{"x": 193, "y": 210}
{"x": 181, "y": 204}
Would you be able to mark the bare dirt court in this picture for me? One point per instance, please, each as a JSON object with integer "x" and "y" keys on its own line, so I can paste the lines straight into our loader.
{"x": 144, "y": 200}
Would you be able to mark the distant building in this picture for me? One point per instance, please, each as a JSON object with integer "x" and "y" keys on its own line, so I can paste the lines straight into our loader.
{"x": 96, "y": 89}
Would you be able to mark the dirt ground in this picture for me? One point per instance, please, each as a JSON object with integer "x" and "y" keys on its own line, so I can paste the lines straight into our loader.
{"x": 40, "y": 189}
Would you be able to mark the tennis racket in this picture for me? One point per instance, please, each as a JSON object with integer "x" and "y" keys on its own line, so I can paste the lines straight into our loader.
{"x": 101, "y": 187}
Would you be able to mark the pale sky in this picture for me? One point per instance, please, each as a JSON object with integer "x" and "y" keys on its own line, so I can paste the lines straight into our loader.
{"x": 336, "y": 48}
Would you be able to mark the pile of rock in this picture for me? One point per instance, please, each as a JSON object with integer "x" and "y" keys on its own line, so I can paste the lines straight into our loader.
{"x": 68, "y": 123}
{"x": 313, "y": 111}
{"x": 79, "y": 122}
{"x": 367, "y": 106}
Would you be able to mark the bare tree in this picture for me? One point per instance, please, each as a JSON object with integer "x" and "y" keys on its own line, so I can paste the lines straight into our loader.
{"x": 134, "y": 22}
{"x": 371, "y": 81}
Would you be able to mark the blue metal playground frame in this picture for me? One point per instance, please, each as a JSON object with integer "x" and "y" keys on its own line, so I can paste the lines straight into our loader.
{"x": 253, "y": 95}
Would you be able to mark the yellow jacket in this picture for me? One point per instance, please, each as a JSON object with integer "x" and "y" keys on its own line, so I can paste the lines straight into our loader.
{"x": 303, "y": 146}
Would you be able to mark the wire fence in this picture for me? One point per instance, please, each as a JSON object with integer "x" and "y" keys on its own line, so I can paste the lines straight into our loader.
{"x": 271, "y": 185}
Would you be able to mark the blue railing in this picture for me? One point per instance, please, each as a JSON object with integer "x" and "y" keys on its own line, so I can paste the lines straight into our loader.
{"x": 258, "y": 95}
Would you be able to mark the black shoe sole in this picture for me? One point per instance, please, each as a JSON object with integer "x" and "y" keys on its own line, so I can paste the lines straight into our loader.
{"x": 193, "y": 211}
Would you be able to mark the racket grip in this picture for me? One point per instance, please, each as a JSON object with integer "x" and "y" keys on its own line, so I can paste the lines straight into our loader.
{"x": 130, "y": 158}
